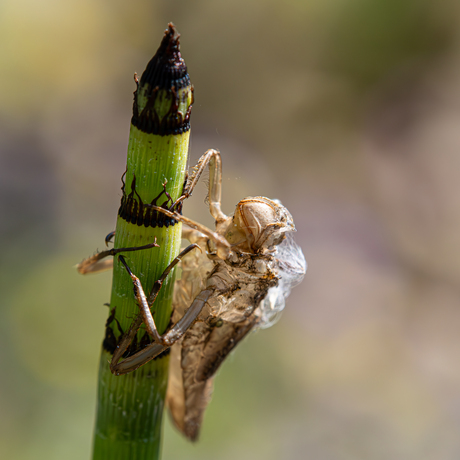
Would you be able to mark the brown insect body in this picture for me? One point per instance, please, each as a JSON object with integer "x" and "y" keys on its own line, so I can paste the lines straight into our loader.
{"x": 239, "y": 285}
{"x": 236, "y": 282}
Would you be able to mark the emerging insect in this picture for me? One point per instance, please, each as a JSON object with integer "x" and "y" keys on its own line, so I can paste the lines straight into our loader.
{"x": 236, "y": 282}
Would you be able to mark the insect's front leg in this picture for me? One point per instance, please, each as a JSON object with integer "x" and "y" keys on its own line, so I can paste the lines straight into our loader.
{"x": 213, "y": 159}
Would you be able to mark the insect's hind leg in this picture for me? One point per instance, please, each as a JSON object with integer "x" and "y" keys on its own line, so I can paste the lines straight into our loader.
{"x": 145, "y": 316}
{"x": 154, "y": 349}
{"x": 95, "y": 264}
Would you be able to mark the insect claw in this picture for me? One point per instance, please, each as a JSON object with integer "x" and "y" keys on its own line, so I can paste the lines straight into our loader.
{"x": 123, "y": 261}
{"x": 109, "y": 237}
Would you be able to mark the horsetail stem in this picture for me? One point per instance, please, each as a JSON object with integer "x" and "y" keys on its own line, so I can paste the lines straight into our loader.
{"x": 130, "y": 407}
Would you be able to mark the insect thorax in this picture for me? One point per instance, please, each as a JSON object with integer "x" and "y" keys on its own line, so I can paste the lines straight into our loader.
{"x": 240, "y": 286}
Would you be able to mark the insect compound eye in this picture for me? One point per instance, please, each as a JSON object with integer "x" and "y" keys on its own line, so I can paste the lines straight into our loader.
{"x": 250, "y": 219}
{"x": 264, "y": 222}
{"x": 257, "y": 215}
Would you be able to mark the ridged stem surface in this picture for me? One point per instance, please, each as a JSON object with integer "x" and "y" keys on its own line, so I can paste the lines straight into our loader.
{"x": 130, "y": 407}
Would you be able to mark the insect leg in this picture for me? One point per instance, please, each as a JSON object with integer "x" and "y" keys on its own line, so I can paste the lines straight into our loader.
{"x": 129, "y": 335}
{"x": 93, "y": 264}
{"x": 154, "y": 349}
{"x": 190, "y": 233}
{"x": 213, "y": 159}
{"x": 109, "y": 238}
{"x": 157, "y": 286}
{"x": 144, "y": 304}
{"x": 125, "y": 341}
{"x": 194, "y": 236}
{"x": 222, "y": 245}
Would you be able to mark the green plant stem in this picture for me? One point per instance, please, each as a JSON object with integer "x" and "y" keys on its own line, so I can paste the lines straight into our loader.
{"x": 130, "y": 407}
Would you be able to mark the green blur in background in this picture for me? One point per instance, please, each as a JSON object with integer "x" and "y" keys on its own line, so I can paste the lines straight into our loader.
{"x": 346, "y": 110}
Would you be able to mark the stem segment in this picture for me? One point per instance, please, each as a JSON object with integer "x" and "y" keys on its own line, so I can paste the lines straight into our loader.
{"x": 130, "y": 407}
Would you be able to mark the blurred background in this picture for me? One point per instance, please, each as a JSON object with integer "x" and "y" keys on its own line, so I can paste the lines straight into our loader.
{"x": 346, "y": 110}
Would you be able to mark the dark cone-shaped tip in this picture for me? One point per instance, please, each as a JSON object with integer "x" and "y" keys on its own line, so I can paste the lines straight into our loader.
{"x": 166, "y": 74}
{"x": 167, "y": 68}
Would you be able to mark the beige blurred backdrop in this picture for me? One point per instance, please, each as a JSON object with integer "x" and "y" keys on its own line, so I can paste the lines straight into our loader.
{"x": 346, "y": 110}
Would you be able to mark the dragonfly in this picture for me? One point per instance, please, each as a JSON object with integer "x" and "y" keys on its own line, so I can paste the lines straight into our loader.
{"x": 234, "y": 279}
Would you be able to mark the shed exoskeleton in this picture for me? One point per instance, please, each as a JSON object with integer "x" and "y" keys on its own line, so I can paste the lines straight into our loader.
{"x": 234, "y": 279}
